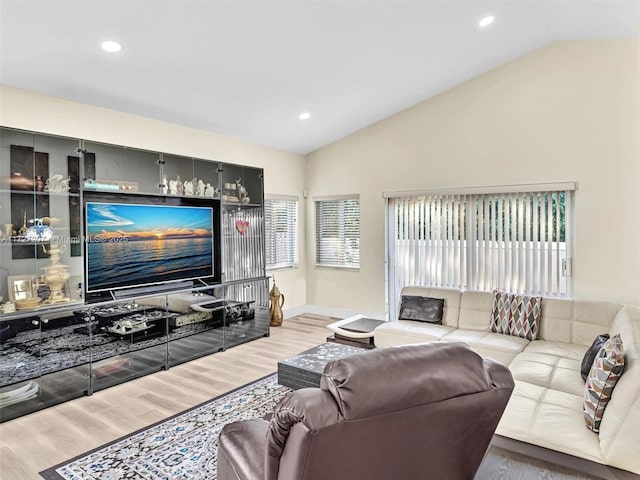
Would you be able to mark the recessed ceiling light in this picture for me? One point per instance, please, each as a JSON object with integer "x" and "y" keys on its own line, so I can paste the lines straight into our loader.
{"x": 111, "y": 46}
{"x": 304, "y": 116}
{"x": 486, "y": 21}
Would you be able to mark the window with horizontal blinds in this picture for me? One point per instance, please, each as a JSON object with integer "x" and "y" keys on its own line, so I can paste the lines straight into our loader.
{"x": 518, "y": 242}
{"x": 338, "y": 232}
{"x": 281, "y": 231}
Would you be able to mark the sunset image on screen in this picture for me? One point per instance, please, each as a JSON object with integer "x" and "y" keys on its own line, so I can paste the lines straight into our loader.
{"x": 131, "y": 244}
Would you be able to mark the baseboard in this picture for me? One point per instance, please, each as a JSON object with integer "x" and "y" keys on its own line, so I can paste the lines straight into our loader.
{"x": 329, "y": 312}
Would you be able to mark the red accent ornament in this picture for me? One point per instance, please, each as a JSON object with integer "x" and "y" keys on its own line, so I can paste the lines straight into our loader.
{"x": 242, "y": 226}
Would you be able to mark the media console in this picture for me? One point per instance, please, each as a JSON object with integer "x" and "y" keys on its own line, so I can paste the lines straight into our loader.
{"x": 98, "y": 279}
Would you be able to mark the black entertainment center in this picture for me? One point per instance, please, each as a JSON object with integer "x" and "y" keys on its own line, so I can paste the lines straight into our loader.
{"x": 117, "y": 262}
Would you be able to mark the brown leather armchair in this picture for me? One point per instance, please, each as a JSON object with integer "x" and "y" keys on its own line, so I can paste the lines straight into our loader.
{"x": 413, "y": 412}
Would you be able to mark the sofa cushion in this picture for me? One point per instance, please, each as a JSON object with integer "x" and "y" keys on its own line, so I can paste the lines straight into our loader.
{"x": 502, "y": 348}
{"x": 558, "y": 349}
{"x": 590, "y": 355}
{"x": 487, "y": 339}
{"x": 421, "y": 309}
{"x": 517, "y": 315}
{"x": 575, "y": 321}
{"x": 548, "y": 371}
{"x": 475, "y": 310}
{"x": 406, "y": 332}
{"x": 550, "y": 419}
{"x": 605, "y": 372}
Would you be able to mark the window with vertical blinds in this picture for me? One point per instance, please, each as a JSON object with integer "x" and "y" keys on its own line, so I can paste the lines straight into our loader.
{"x": 281, "y": 231}
{"x": 514, "y": 241}
{"x": 338, "y": 232}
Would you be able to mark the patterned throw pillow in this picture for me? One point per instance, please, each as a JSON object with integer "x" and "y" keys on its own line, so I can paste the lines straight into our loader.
{"x": 517, "y": 315}
{"x": 605, "y": 373}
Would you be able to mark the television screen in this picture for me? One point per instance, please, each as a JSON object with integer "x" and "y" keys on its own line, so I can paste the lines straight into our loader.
{"x": 136, "y": 240}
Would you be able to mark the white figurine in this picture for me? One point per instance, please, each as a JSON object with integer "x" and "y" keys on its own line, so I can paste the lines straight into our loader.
{"x": 188, "y": 187}
{"x": 209, "y": 191}
{"x": 8, "y": 307}
{"x": 165, "y": 186}
{"x": 201, "y": 188}
{"x": 173, "y": 187}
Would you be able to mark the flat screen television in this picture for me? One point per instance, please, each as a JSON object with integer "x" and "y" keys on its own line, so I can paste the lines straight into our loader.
{"x": 136, "y": 240}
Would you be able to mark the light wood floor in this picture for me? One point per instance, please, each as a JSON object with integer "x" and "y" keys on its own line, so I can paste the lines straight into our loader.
{"x": 40, "y": 440}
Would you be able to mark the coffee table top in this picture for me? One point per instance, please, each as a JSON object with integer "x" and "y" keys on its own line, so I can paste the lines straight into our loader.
{"x": 362, "y": 325}
{"x": 316, "y": 358}
{"x": 358, "y": 326}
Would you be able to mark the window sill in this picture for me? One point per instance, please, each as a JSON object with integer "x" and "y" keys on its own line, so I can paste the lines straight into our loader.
{"x": 285, "y": 267}
{"x": 338, "y": 267}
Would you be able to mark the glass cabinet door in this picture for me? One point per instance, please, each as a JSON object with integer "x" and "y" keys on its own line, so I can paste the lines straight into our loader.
{"x": 19, "y": 367}
{"x": 189, "y": 177}
{"x": 65, "y": 356}
{"x": 243, "y": 242}
{"x": 242, "y": 222}
{"x": 121, "y": 169}
{"x": 197, "y": 327}
{"x": 246, "y": 312}
{"x": 128, "y": 340}
{"x": 39, "y": 221}
{"x": 206, "y": 172}
{"x": 241, "y": 185}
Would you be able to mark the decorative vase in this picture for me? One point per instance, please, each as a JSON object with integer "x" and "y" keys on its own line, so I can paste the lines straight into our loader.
{"x": 275, "y": 310}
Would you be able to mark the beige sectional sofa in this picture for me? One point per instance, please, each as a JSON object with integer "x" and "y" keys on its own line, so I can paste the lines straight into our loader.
{"x": 546, "y": 406}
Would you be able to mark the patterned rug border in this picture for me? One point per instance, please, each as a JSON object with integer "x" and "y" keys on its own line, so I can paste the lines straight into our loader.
{"x": 51, "y": 474}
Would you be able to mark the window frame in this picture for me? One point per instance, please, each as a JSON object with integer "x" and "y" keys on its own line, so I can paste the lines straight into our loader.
{"x": 341, "y": 264}
{"x": 294, "y": 230}
{"x": 395, "y": 283}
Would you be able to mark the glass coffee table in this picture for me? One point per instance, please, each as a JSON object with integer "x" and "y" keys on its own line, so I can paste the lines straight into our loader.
{"x": 305, "y": 369}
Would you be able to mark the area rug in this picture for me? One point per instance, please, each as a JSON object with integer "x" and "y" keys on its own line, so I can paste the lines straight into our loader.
{"x": 181, "y": 447}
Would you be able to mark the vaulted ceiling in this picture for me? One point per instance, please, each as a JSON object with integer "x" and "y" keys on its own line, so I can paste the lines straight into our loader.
{"x": 247, "y": 69}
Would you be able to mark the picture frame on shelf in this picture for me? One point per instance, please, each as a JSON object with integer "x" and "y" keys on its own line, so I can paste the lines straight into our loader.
{"x": 21, "y": 287}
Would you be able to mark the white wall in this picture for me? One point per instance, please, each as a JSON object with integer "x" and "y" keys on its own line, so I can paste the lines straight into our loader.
{"x": 565, "y": 112}
{"x": 283, "y": 171}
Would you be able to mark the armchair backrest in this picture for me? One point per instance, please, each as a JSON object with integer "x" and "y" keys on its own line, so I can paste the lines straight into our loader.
{"x": 418, "y": 411}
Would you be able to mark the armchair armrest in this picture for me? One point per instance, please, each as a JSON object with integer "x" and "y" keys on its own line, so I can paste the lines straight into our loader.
{"x": 241, "y": 450}
{"x": 311, "y": 408}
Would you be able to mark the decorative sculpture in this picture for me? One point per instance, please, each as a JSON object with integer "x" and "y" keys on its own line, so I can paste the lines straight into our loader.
{"x": 56, "y": 274}
{"x": 57, "y": 183}
{"x": 275, "y": 309}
